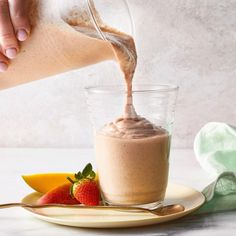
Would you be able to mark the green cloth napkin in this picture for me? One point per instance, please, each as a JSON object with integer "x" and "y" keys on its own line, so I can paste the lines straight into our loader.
{"x": 215, "y": 150}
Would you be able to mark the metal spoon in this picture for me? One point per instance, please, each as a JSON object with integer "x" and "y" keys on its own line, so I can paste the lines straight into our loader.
{"x": 160, "y": 211}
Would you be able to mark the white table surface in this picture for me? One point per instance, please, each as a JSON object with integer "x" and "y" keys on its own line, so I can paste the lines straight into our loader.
{"x": 16, "y": 221}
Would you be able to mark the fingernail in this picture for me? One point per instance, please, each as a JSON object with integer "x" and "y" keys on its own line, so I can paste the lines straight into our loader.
{"x": 3, "y": 67}
{"x": 22, "y": 35}
{"x": 11, "y": 53}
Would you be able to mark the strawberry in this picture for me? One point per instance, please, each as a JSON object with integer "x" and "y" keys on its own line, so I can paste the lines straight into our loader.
{"x": 85, "y": 189}
{"x": 58, "y": 195}
{"x": 87, "y": 192}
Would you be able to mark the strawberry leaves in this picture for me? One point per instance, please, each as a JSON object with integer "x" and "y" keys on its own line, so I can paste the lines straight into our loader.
{"x": 87, "y": 173}
{"x": 78, "y": 176}
{"x": 92, "y": 175}
{"x": 87, "y": 170}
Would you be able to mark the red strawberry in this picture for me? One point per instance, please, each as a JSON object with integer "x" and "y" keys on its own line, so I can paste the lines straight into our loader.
{"x": 59, "y": 195}
{"x": 85, "y": 188}
{"x": 87, "y": 192}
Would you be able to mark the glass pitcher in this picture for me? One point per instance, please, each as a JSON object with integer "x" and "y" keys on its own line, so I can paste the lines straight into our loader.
{"x": 60, "y": 40}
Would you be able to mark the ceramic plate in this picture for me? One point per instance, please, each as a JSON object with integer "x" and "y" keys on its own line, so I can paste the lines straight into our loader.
{"x": 190, "y": 198}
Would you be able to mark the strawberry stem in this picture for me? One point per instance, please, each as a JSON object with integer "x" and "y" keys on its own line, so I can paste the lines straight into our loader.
{"x": 72, "y": 181}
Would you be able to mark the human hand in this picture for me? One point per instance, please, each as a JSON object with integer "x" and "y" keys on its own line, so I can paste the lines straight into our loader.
{"x": 14, "y": 27}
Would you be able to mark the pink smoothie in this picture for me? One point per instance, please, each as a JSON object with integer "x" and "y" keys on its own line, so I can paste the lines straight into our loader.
{"x": 132, "y": 159}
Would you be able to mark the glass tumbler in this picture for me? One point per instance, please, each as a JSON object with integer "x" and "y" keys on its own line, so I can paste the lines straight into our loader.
{"x": 133, "y": 170}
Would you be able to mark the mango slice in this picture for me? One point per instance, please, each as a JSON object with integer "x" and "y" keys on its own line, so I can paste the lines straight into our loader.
{"x": 45, "y": 182}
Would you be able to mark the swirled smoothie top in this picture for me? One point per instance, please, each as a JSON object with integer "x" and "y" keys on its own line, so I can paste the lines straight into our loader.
{"x": 132, "y": 128}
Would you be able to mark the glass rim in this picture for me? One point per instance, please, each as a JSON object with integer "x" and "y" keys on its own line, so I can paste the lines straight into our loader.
{"x": 137, "y": 88}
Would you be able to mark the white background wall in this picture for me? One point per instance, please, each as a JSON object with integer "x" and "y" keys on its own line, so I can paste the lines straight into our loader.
{"x": 191, "y": 43}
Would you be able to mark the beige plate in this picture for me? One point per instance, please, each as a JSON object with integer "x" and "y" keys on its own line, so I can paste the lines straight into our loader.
{"x": 190, "y": 198}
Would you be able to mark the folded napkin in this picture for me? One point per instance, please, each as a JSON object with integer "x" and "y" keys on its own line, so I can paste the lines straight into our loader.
{"x": 215, "y": 149}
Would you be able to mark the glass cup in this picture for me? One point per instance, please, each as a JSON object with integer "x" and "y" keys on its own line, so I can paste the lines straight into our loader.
{"x": 133, "y": 171}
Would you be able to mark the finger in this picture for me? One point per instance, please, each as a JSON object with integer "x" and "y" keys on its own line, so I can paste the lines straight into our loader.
{"x": 19, "y": 17}
{"x": 8, "y": 40}
{"x": 3, "y": 63}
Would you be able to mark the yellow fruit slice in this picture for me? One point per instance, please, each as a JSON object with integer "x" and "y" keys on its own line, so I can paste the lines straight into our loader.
{"x": 45, "y": 182}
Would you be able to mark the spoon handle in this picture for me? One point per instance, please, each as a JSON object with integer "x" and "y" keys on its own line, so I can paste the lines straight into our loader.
{"x": 161, "y": 211}
{"x": 118, "y": 208}
{"x": 8, "y": 205}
